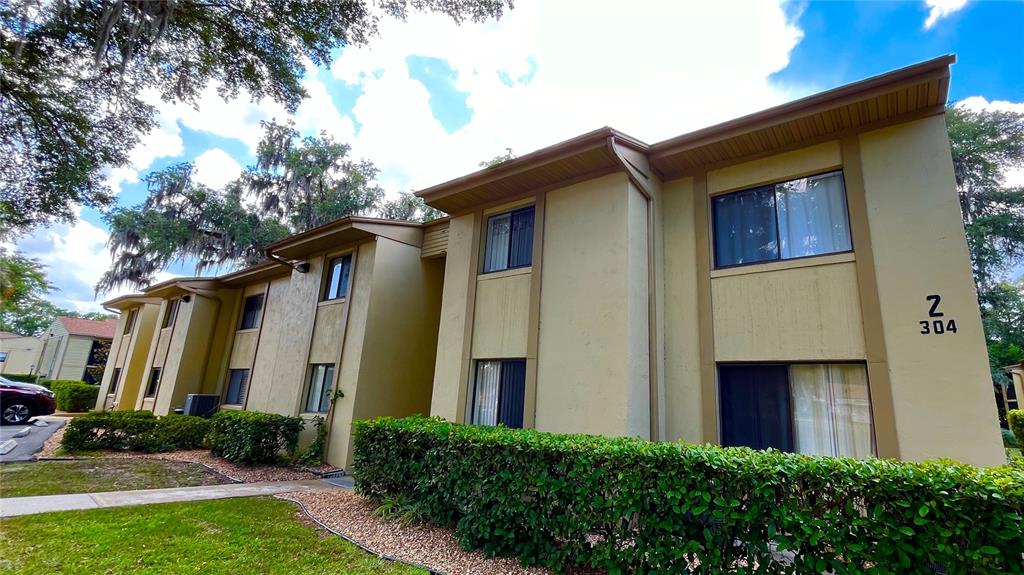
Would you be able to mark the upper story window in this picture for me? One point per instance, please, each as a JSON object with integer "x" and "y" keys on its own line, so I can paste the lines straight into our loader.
{"x": 129, "y": 323}
{"x": 251, "y": 311}
{"x": 337, "y": 277}
{"x": 172, "y": 312}
{"x": 509, "y": 241}
{"x": 792, "y": 219}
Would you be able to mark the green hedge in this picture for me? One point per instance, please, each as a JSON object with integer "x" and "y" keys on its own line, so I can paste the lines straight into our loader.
{"x": 73, "y": 395}
{"x": 1015, "y": 417}
{"x": 250, "y": 437}
{"x": 628, "y": 505}
{"x": 22, "y": 377}
{"x": 134, "y": 431}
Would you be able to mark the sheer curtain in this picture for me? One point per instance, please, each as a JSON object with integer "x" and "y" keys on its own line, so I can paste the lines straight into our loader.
{"x": 485, "y": 392}
{"x": 745, "y": 227}
{"x": 812, "y": 409}
{"x": 499, "y": 231}
{"x": 812, "y": 216}
{"x": 831, "y": 409}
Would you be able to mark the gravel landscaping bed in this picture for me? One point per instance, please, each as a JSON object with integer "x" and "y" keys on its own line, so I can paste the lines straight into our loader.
{"x": 202, "y": 456}
{"x": 432, "y": 547}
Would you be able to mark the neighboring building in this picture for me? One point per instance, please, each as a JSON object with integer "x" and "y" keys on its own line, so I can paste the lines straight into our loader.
{"x": 19, "y": 354}
{"x": 1009, "y": 392}
{"x": 352, "y": 305}
{"x": 71, "y": 345}
{"x": 797, "y": 278}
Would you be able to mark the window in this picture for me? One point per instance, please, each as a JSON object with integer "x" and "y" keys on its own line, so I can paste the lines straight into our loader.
{"x": 171, "y": 313}
{"x": 498, "y": 392}
{"x": 114, "y": 380}
{"x": 1011, "y": 396}
{"x": 337, "y": 277}
{"x": 3, "y": 356}
{"x": 238, "y": 384}
{"x": 509, "y": 240}
{"x": 129, "y": 324}
{"x": 821, "y": 409}
{"x": 251, "y": 311}
{"x": 794, "y": 219}
{"x": 154, "y": 382}
{"x": 318, "y": 395}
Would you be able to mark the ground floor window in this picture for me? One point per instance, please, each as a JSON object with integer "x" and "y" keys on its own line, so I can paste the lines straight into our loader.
{"x": 154, "y": 382}
{"x": 815, "y": 408}
{"x": 498, "y": 391}
{"x": 318, "y": 394}
{"x": 238, "y": 384}
{"x": 114, "y": 379}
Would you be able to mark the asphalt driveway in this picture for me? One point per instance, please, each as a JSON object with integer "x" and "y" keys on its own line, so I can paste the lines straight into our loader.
{"x": 30, "y": 444}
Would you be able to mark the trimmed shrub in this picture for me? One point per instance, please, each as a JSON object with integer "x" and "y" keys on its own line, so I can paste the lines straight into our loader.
{"x": 22, "y": 377}
{"x": 1009, "y": 439}
{"x": 250, "y": 437}
{"x": 1015, "y": 417}
{"x": 314, "y": 453}
{"x": 73, "y": 395}
{"x": 134, "y": 431}
{"x": 633, "y": 506}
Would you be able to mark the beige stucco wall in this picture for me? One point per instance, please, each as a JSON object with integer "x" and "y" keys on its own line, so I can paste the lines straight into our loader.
{"x": 682, "y": 375}
{"x": 592, "y": 351}
{"x": 796, "y": 314}
{"x": 188, "y": 351}
{"x": 23, "y": 354}
{"x": 452, "y": 329}
{"x": 501, "y": 314}
{"x": 277, "y": 305}
{"x": 941, "y": 388}
{"x": 243, "y": 348}
{"x": 135, "y": 358}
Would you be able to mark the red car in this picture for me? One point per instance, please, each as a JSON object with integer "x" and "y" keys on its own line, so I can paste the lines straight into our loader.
{"x": 20, "y": 402}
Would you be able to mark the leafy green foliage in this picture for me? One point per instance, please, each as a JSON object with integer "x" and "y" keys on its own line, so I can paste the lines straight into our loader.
{"x": 23, "y": 285}
{"x": 410, "y": 208}
{"x": 73, "y": 395}
{"x": 1009, "y": 439}
{"x": 251, "y": 437}
{"x": 1015, "y": 418}
{"x": 134, "y": 431}
{"x": 314, "y": 452}
{"x": 499, "y": 159}
{"x": 633, "y": 506}
{"x": 75, "y": 77}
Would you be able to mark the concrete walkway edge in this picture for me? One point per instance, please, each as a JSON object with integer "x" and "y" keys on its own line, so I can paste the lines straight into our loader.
{"x": 15, "y": 506}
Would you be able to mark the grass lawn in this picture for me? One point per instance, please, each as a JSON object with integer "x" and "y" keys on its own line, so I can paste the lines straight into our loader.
{"x": 92, "y": 475}
{"x": 256, "y": 535}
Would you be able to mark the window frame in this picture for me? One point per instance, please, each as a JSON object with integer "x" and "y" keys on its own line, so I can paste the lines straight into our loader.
{"x": 342, "y": 294}
{"x": 129, "y": 322}
{"x": 259, "y": 312}
{"x": 789, "y": 384}
{"x": 114, "y": 381}
{"x": 327, "y": 385}
{"x": 227, "y": 387}
{"x": 532, "y": 207}
{"x": 471, "y": 396}
{"x": 775, "y": 217}
{"x": 171, "y": 313}
{"x": 154, "y": 382}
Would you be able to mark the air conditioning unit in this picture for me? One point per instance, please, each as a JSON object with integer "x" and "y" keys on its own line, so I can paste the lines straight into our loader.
{"x": 201, "y": 404}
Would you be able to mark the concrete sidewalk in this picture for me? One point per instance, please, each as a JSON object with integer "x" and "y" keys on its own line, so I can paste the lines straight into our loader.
{"x": 13, "y": 506}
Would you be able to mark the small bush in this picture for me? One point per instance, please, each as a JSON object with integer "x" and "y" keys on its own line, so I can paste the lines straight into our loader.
{"x": 73, "y": 395}
{"x": 633, "y": 506}
{"x": 1009, "y": 439}
{"x": 250, "y": 437}
{"x": 22, "y": 377}
{"x": 134, "y": 431}
{"x": 314, "y": 452}
{"x": 1016, "y": 420}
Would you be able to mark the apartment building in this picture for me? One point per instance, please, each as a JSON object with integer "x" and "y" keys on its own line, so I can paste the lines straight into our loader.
{"x": 71, "y": 346}
{"x": 797, "y": 278}
{"x": 19, "y": 354}
{"x": 350, "y": 306}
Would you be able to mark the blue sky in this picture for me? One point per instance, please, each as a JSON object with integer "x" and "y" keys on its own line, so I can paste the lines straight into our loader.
{"x": 429, "y": 100}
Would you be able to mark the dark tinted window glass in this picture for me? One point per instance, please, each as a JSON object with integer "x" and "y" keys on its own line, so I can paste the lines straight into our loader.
{"x": 337, "y": 277}
{"x": 172, "y": 311}
{"x": 238, "y": 382}
{"x": 745, "y": 230}
{"x": 509, "y": 241}
{"x": 114, "y": 379}
{"x": 154, "y": 382}
{"x": 251, "y": 312}
{"x": 755, "y": 407}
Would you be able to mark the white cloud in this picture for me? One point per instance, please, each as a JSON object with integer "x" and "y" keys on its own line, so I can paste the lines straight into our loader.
{"x": 630, "y": 69}
{"x": 215, "y": 168}
{"x": 163, "y": 141}
{"x": 1013, "y": 176}
{"x": 941, "y": 9}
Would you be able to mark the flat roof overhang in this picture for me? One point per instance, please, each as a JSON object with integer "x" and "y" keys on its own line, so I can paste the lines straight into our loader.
{"x": 129, "y": 301}
{"x": 581, "y": 158}
{"x": 343, "y": 232}
{"x": 254, "y": 273}
{"x": 914, "y": 92}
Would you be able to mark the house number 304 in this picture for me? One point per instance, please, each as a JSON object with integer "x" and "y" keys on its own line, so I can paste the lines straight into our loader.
{"x": 936, "y": 324}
